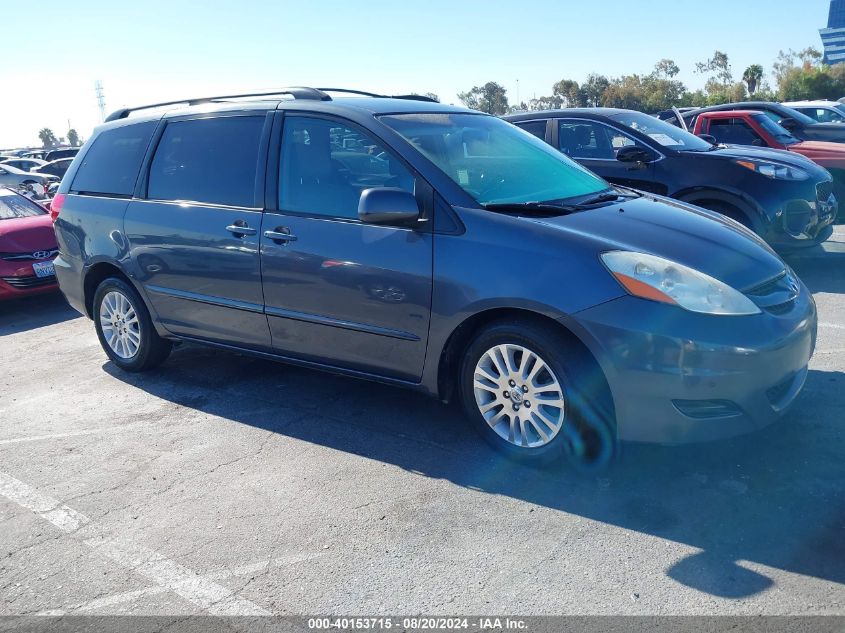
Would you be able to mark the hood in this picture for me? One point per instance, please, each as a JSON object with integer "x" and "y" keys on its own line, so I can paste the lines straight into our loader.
{"x": 700, "y": 239}
{"x": 757, "y": 153}
{"x": 27, "y": 235}
{"x": 820, "y": 151}
{"x": 834, "y": 132}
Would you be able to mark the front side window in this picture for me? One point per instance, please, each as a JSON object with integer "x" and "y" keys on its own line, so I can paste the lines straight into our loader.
{"x": 212, "y": 160}
{"x": 661, "y": 132}
{"x": 112, "y": 163}
{"x": 492, "y": 160}
{"x": 537, "y": 128}
{"x": 733, "y": 132}
{"x": 583, "y": 139}
{"x": 325, "y": 166}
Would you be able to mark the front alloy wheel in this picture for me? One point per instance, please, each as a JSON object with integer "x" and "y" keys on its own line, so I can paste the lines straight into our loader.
{"x": 519, "y": 396}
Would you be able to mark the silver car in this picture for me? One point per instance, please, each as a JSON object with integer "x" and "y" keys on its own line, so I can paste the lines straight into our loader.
{"x": 24, "y": 180}
{"x": 24, "y": 164}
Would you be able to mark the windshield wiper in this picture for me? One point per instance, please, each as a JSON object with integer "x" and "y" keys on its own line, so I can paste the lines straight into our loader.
{"x": 555, "y": 209}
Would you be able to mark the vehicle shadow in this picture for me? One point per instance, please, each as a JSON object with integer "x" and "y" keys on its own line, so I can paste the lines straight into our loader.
{"x": 29, "y": 313}
{"x": 772, "y": 498}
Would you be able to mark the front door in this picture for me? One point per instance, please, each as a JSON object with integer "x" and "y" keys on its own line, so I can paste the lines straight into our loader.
{"x": 339, "y": 291}
{"x": 194, "y": 240}
{"x": 594, "y": 145}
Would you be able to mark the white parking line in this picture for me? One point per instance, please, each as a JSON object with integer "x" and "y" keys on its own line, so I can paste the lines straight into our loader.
{"x": 835, "y": 326}
{"x": 168, "y": 574}
{"x": 223, "y": 574}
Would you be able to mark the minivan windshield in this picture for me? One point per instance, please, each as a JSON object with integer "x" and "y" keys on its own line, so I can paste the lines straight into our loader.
{"x": 493, "y": 161}
{"x": 14, "y": 206}
{"x": 661, "y": 132}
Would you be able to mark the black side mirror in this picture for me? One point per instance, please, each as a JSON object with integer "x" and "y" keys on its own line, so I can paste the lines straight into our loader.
{"x": 387, "y": 205}
{"x": 709, "y": 138}
{"x": 789, "y": 124}
{"x": 635, "y": 154}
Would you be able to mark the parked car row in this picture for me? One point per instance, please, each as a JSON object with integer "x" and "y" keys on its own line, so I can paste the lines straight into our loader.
{"x": 785, "y": 198}
{"x": 448, "y": 251}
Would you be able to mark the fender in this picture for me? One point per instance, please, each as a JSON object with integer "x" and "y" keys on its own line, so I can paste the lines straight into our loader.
{"x": 733, "y": 197}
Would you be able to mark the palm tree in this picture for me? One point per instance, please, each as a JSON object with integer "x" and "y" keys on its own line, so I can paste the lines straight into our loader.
{"x": 752, "y": 76}
{"x": 48, "y": 139}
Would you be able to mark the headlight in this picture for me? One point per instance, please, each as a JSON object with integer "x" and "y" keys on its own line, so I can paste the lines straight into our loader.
{"x": 658, "y": 279}
{"x": 774, "y": 170}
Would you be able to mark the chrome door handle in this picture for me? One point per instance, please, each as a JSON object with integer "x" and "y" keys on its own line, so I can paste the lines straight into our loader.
{"x": 280, "y": 234}
{"x": 240, "y": 228}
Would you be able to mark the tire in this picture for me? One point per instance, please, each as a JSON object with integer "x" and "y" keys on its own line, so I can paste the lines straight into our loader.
{"x": 126, "y": 333}
{"x": 585, "y": 433}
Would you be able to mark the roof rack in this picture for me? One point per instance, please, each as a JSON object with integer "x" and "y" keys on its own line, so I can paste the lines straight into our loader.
{"x": 372, "y": 94}
{"x": 296, "y": 92}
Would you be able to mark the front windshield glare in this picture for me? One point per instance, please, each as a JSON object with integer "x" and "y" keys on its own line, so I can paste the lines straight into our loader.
{"x": 667, "y": 135}
{"x": 494, "y": 161}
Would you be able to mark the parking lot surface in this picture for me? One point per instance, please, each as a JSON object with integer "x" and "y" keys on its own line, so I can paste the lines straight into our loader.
{"x": 223, "y": 484}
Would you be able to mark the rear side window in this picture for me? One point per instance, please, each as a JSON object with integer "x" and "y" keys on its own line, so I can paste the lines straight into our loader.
{"x": 208, "y": 160}
{"x": 111, "y": 165}
{"x": 537, "y": 128}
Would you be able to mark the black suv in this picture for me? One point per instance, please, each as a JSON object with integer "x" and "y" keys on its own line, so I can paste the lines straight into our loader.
{"x": 436, "y": 248}
{"x": 784, "y": 197}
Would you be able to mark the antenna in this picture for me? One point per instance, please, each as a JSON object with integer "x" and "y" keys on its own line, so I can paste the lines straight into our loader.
{"x": 101, "y": 99}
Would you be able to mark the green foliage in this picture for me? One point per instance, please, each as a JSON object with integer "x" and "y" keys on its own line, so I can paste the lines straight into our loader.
{"x": 48, "y": 139}
{"x": 490, "y": 98}
{"x": 798, "y": 76}
{"x": 73, "y": 137}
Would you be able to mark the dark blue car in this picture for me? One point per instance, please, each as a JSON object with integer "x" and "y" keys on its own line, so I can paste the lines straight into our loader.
{"x": 436, "y": 248}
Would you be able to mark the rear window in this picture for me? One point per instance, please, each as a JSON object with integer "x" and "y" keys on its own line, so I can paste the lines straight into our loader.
{"x": 208, "y": 160}
{"x": 112, "y": 162}
{"x": 14, "y": 206}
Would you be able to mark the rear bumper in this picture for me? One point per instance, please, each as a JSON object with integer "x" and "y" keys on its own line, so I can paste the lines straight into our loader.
{"x": 677, "y": 377}
{"x": 71, "y": 282}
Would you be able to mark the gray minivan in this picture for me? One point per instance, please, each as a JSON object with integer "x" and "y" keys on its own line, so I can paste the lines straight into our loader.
{"x": 436, "y": 248}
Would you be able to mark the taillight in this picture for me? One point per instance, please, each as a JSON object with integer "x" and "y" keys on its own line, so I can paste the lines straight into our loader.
{"x": 56, "y": 206}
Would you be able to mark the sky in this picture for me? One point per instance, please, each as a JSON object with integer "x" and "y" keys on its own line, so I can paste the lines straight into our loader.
{"x": 157, "y": 50}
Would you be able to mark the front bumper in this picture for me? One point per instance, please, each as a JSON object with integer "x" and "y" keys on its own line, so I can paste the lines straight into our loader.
{"x": 20, "y": 280}
{"x": 802, "y": 222}
{"x": 678, "y": 377}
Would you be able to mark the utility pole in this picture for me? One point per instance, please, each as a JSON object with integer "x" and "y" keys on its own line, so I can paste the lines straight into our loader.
{"x": 517, "y": 93}
{"x": 101, "y": 99}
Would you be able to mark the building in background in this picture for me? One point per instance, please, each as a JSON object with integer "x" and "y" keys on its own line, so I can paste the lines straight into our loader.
{"x": 833, "y": 37}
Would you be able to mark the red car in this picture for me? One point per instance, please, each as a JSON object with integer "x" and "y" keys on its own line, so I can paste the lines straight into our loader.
{"x": 27, "y": 247}
{"x": 752, "y": 127}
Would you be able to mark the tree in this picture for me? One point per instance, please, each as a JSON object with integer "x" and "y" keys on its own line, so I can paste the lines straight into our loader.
{"x": 48, "y": 139}
{"x": 569, "y": 93}
{"x": 593, "y": 89}
{"x": 718, "y": 66}
{"x": 73, "y": 137}
{"x": 752, "y": 76}
{"x": 490, "y": 98}
{"x": 666, "y": 69}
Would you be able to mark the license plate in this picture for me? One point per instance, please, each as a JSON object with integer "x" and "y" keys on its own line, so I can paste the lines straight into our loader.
{"x": 44, "y": 269}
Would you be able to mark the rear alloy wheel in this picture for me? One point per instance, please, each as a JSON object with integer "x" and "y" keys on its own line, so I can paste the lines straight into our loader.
{"x": 518, "y": 387}
{"x": 125, "y": 329}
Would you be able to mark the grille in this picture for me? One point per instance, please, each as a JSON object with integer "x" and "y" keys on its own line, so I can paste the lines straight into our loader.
{"x": 777, "y": 295}
{"x": 777, "y": 393}
{"x": 29, "y": 282}
{"x": 22, "y": 257}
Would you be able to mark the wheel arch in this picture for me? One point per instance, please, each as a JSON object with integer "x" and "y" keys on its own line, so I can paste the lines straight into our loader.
{"x": 461, "y": 337}
{"x": 94, "y": 276}
{"x": 701, "y": 196}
